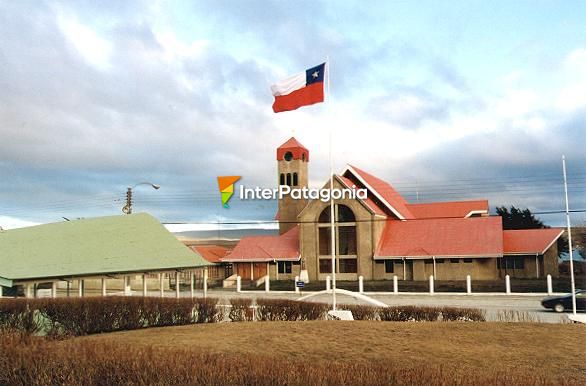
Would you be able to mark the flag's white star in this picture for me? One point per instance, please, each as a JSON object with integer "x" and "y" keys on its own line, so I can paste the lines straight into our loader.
{"x": 315, "y": 74}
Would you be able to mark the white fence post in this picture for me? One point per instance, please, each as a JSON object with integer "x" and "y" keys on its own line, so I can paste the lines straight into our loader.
{"x": 144, "y": 285}
{"x": 177, "y": 287}
{"x": 127, "y": 288}
{"x": 54, "y": 289}
{"x": 549, "y": 285}
{"x": 80, "y": 288}
{"x": 507, "y": 284}
{"x": 29, "y": 291}
{"x": 360, "y": 284}
{"x": 328, "y": 283}
{"x": 296, "y": 288}
{"x": 161, "y": 286}
{"x": 238, "y": 284}
{"x": 431, "y": 291}
{"x": 192, "y": 285}
{"x": 395, "y": 284}
{"x": 205, "y": 282}
{"x": 103, "y": 287}
{"x": 267, "y": 284}
{"x": 468, "y": 285}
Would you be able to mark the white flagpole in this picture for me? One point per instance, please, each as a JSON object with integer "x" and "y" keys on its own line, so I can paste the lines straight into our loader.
{"x": 332, "y": 213}
{"x": 569, "y": 237}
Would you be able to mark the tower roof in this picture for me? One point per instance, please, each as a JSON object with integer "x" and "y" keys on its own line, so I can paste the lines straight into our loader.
{"x": 291, "y": 143}
{"x": 293, "y": 146}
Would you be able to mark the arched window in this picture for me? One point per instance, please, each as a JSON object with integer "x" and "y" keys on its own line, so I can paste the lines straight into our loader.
{"x": 346, "y": 237}
{"x": 295, "y": 179}
{"x": 282, "y": 179}
{"x": 288, "y": 179}
{"x": 303, "y": 157}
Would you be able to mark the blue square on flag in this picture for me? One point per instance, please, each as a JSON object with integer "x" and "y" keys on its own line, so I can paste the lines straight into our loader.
{"x": 315, "y": 74}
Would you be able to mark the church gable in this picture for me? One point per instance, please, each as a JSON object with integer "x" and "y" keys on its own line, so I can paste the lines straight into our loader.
{"x": 313, "y": 209}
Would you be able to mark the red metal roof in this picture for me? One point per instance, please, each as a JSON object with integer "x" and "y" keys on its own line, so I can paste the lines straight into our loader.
{"x": 529, "y": 241}
{"x": 212, "y": 253}
{"x": 448, "y": 209}
{"x": 475, "y": 236}
{"x": 386, "y": 192}
{"x": 267, "y": 248}
{"x": 369, "y": 201}
{"x": 295, "y": 147}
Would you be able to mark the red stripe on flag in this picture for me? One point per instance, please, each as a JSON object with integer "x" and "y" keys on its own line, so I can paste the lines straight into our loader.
{"x": 308, "y": 95}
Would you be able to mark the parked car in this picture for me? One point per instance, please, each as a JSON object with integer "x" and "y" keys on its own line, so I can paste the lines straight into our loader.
{"x": 564, "y": 302}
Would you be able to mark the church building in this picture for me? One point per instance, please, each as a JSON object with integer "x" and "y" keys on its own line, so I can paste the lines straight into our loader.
{"x": 383, "y": 235}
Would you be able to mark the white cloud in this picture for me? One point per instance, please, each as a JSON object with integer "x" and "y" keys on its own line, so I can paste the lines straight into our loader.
{"x": 572, "y": 95}
{"x": 93, "y": 48}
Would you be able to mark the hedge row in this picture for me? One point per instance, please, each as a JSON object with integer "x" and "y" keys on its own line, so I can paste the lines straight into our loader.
{"x": 415, "y": 313}
{"x": 289, "y": 310}
{"x": 75, "y": 317}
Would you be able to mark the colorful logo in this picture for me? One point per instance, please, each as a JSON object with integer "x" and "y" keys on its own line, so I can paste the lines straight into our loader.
{"x": 226, "y": 185}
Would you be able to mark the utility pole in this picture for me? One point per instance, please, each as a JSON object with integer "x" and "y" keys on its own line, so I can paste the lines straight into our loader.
{"x": 128, "y": 207}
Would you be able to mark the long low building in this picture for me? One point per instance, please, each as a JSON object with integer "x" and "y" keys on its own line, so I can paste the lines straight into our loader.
{"x": 127, "y": 248}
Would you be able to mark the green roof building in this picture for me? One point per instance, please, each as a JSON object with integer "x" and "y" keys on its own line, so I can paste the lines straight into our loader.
{"x": 92, "y": 248}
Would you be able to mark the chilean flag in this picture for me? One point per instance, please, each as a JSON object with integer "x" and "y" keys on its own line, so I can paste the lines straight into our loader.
{"x": 303, "y": 89}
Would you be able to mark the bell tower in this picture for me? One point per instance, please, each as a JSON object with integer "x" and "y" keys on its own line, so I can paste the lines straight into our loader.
{"x": 292, "y": 160}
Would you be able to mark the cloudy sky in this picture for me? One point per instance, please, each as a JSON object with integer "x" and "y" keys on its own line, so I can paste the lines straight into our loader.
{"x": 465, "y": 100}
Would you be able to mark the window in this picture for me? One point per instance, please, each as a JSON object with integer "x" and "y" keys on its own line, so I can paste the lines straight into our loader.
{"x": 467, "y": 260}
{"x": 439, "y": 261}
{"x": 346, "y": 229}
{"x": 347, "y": 240}
{"x": 454, "y": 261}
{"x": 295, "y": 179}
{"x": 284, "y": 266}
{"x": 346, "y": 237}
{"x": 288, "y": 179}
{"x": 325, "y": 266}
{"x": 389, "y": 266}
{"x": 282, "y": 179}
{"x": 325, "y": 241}
{"x": 324, "y": 216}
{"x": 303, "y": 157}
{"x": 348, "y": 265}
{"x": 345, "y": 214}
{"x": 288, "y": 156}
{"x": 519, "y": 262}
{"x": 428, "y": 261}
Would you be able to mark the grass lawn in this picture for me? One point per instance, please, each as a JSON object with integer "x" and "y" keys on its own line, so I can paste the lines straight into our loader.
{"x": 305, "y": 353}
{"x": 552, "y": 349}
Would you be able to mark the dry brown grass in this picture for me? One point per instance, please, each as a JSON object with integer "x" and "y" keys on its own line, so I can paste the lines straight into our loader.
{"x": 555, "y": 350}
{"x": 305, "y": 353}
